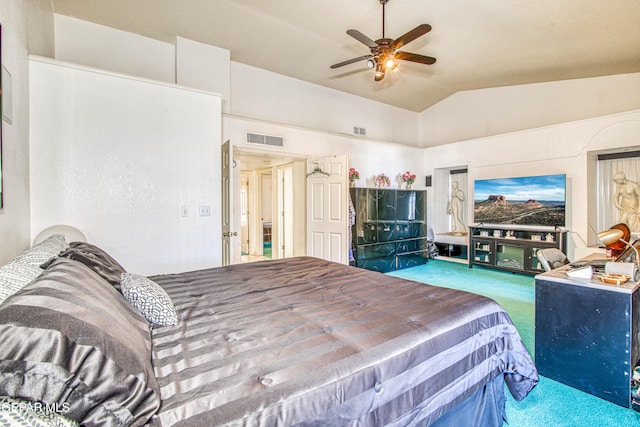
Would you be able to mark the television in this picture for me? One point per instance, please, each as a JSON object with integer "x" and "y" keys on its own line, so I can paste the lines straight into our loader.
{"x": 526, "y": 200}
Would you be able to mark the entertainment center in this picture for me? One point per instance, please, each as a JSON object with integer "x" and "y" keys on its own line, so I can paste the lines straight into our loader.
{"x": 512, "y": 249}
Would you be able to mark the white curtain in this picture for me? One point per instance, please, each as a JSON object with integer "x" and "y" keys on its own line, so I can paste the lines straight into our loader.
{"x": 607, "y": 212}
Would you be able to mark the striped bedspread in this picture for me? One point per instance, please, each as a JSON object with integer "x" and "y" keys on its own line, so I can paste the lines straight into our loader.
{"x": 304, "y": 341}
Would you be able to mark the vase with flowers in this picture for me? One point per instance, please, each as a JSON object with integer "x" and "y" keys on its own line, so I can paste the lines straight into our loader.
{"x": 382, "y": 181}
{"x": 408, "y": 178}
{"x": 354, "y": 175}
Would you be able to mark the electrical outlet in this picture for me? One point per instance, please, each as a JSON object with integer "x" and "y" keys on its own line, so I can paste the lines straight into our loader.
{"x": 205, "y": 210}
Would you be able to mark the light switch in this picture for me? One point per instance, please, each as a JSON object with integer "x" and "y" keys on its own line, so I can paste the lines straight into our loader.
{"x": 184, "y": 211}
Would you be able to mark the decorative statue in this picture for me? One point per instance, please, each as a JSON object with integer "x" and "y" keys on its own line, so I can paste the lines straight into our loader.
{"x": 627, "y": 200}
{"x": 455, "y": 208}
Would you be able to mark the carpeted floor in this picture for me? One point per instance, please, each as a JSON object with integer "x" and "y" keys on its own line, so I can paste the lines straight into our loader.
{"x": 266, "y": 251}
{"x": 550, "y": 404}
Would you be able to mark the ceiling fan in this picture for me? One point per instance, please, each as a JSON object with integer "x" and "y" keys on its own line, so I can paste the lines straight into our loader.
{"x": 384, "y": 52}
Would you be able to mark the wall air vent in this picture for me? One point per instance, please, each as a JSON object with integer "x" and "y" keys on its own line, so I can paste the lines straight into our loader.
{"x": 256, "y": 138}
{"x": 359, "y": 131}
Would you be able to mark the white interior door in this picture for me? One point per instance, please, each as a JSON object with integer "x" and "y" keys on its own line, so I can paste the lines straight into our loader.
{"x": 244, "y": 214}
{"x": 227, "y": 202}
{"x": 327, "y": 208}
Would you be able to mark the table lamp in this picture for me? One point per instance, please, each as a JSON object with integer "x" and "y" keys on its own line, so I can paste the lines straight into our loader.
{"x": 610, "y": 237}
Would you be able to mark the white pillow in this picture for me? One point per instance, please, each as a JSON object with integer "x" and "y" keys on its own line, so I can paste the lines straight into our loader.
{"x": 149, "y": 298}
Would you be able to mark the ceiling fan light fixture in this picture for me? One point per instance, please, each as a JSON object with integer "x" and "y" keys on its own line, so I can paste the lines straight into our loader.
{"x": 390, "y": 63}
{"x": 371, "y": 63}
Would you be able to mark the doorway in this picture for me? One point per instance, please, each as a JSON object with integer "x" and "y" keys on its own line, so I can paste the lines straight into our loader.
{"x": 270, "y": 214}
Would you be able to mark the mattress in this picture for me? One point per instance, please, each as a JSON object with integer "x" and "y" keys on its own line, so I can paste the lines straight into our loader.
{"x": 309, "y": 342}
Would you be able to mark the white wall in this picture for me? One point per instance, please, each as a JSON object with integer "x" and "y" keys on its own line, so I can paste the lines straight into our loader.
{"x": 271, "y": 97}
{"x": 254, "y": 93}
{"x": 485, "y": 112}
{"x": 370, "y": 158}
{"x": 27, "y": 26}
{"x": 554, "y": 149}
{"x": 204, "y": 67}
{"x": 117, "y": 157}
{"x": 85, "y": 43}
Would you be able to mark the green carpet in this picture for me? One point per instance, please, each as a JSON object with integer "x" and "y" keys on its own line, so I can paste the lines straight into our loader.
{"x": 550, "y": 404}
{"x": 266, "y": 249}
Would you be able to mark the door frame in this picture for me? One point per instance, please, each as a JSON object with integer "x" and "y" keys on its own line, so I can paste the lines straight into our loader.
{"x": 298, "y": 164}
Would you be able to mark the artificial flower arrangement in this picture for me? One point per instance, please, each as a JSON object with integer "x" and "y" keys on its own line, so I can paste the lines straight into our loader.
{"x": 383, "y": 181}
{"x": 409, "y": 177}
{"x": 353, "y": 175}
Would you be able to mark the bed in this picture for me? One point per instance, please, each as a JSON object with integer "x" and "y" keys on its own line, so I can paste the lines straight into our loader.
{"x": 300, "y": 341}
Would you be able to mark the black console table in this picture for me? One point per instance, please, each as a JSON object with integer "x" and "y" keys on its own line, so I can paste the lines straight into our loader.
{"x": 588, "y": 334}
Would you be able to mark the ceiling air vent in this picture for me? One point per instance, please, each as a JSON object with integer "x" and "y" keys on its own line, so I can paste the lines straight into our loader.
{"x": 359, "y": 131}
{"x": 256, "y": 138}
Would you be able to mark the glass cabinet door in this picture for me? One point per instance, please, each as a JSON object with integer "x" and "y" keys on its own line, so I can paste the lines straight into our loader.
{"x": 406, "y": 206}
{"x": 483, "y": 251}
{"x": 366, "y": 226}
{"x": 386, "y": 205}
{"x": 510, "y": 256}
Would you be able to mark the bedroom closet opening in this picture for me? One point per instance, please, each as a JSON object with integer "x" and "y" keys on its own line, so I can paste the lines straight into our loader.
{"x": 267, "y": 209}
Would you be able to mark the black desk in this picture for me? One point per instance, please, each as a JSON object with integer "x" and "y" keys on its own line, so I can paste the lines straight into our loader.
{"x": 588, "y": 334}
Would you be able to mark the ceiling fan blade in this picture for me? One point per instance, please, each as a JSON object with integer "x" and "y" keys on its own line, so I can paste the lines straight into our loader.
{"x": 411, "y": 35}
{"x": 362, "y": 38}
{"x": 350, "y": 61}
{"x": 414, "y": 57}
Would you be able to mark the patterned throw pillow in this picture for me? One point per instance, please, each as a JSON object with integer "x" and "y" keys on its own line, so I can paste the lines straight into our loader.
{"x": 16, "y": 276}
{"x": 149, "y": 298}
{"x": 44, "y": 251}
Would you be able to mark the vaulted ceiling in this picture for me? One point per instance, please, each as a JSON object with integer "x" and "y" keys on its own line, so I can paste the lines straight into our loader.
{"x": 477, "y": 43}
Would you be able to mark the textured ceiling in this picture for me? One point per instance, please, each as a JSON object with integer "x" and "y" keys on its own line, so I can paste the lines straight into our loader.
{"x": 477, "y": 43}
